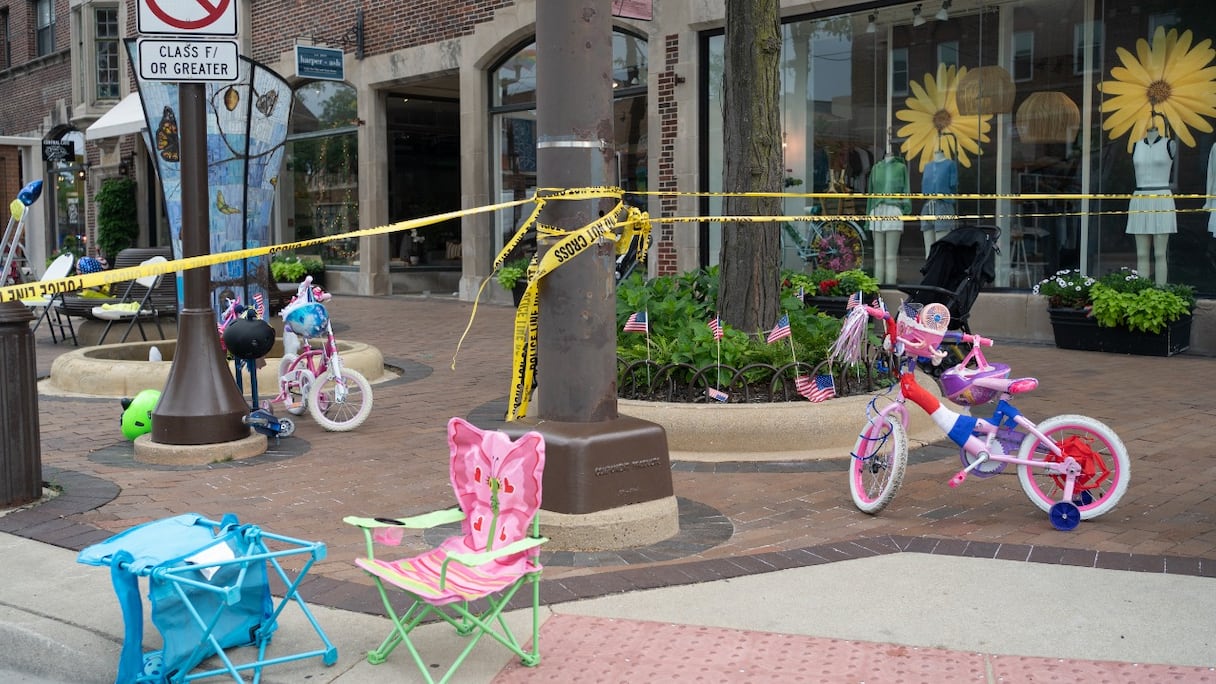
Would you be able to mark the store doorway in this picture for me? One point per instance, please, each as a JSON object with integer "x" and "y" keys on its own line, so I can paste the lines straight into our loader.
{"x": 424, "y": 178}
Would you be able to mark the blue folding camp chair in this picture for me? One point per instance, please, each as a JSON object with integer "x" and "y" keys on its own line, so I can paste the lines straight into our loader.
{"x": 209, "y": 591}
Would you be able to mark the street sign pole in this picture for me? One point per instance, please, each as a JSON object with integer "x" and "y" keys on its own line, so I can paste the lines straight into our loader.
{"x": 201, "y": 403}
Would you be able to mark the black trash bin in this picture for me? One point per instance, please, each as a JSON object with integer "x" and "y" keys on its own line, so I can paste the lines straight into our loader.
{"x": 20, "y": 446}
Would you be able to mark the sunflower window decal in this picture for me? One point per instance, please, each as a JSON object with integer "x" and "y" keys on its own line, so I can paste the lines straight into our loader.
{"x": 932, "y": 115}
{"x": 1171, "y": 77}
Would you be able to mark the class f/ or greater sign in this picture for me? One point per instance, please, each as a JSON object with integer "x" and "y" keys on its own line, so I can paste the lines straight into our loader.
{"x": 188, "y": 60}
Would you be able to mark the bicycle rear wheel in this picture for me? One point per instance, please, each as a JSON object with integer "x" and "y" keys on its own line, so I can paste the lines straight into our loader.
{"x": 340, "y": 405}
{"x": 838, "y": 246}
{"x": 1105, "y": 467}
{"x": 877, "y": 464}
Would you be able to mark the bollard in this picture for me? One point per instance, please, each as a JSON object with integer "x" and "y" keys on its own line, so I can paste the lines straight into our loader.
{"x": 20, "y": 445}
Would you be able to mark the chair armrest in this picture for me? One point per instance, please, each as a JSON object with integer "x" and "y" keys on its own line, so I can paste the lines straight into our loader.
{"x": 417, "y": 522}
{"x": 471, "y": 559}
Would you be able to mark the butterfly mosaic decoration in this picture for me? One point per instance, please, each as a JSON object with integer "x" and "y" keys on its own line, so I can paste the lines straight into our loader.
{"x": 168, "y": 142}
{"x": 223, "y": 206}
{"x": 266, "y": 102}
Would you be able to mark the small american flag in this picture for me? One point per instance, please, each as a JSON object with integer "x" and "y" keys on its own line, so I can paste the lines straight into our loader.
{"x": 782, "y": 329}
{"x": 822, "y": 388}
{"x": 717, "y": 395}
{"x": 854, "y": 301}
{"x": 259, "y": 304}
{"x": 715, "y": 327}
{"x": 637, "y": 323}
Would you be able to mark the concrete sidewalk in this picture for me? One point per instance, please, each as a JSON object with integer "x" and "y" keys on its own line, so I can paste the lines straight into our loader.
{"x": 907, "y": 612}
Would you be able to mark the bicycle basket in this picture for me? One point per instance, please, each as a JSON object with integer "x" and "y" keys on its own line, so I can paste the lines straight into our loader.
{"x": 958, "y": 384}
{"x": 922, "y": 329}
{"x": 307, "y": 318}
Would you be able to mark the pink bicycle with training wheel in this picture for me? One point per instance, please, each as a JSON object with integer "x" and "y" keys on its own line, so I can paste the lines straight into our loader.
{"x": 314, "y": 379}
{"x": 1073, "y": 467}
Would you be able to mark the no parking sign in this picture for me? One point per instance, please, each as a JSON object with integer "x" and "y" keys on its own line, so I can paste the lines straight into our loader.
{"x": 189, "y": 17}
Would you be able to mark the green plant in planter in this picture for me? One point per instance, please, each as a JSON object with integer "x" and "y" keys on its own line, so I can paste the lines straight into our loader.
{"x": 824, "y": 282}
{"x": 117, "y": 216}
{"x": 1067, "y": 289}
{"x": 679, "y": 308}
{"x": 289, "y": 268}
{"x": 1125, "y": 299}
{"x": 511, "y": 272}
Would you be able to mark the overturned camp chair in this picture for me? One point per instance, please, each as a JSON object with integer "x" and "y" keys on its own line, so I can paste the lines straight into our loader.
{"x": 498, "y": 486}
{"x": 208, "y": 583}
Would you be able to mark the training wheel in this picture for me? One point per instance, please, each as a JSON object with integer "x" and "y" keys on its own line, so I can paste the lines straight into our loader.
{"x": 1084, "y": 498}
{"x": 1065, "y": 516}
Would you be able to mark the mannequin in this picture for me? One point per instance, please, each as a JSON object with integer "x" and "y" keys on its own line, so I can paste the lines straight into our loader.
{"x": 1210, "y": 203}
{"x": 889, "y": 177}
{"x": 1152, "y": 219}
{"x": 940, "y": 178}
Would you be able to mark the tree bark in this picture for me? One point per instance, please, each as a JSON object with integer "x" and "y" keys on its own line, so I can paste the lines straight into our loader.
{"x": 749, "y": 279}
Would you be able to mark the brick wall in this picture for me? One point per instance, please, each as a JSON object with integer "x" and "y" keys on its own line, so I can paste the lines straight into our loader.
{"x": 388, "y": 25}
{"x": 668, "y": 111}
{"x": 32, "y": 85}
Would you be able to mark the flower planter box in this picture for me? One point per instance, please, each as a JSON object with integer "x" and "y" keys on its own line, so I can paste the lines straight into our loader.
{"x": 1074, "y": 330}
{"x": 832, "y": 306}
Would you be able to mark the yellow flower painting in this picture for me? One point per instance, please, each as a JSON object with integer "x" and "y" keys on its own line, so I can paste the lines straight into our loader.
{"x": 1171, "y": 77}
{"x": 932, "y": 113}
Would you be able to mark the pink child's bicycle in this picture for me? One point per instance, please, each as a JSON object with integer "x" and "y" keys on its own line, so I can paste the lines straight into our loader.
{"x": 1073, "y": 467}
{"x": 314, "y": 379}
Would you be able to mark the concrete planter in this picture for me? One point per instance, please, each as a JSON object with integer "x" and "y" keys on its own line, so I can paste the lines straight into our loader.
{"x": 784, "y": 431}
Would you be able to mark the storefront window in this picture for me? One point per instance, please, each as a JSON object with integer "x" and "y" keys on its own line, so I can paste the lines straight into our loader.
{"x": 323, "y": 166}
{"x": 1010, "y": 95}
{"x": 513, "y": 113}
{"x": 70, "y": 183}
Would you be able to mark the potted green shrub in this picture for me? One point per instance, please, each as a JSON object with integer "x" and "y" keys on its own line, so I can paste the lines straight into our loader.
{"x": 513, "y": 277}
{"x": 117, "y": 216}
{"x": 1121, "y": 312}
{"x": 829, "y": 290}
{"x": 289, "y": 268}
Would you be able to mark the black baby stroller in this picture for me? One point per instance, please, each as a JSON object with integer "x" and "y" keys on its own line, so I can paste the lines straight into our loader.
{"x": 959, "y": 265}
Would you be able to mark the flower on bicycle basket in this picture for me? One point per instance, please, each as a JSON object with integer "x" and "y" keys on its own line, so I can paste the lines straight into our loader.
{"x": 1068, "y": 289}
{"x": 933, "y": 112}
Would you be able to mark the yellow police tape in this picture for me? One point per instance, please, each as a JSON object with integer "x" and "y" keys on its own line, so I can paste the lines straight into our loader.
{"x": 632, "y": 223}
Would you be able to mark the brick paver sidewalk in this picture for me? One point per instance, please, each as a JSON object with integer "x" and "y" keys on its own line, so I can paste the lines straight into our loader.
{"x": 779, "y": 515}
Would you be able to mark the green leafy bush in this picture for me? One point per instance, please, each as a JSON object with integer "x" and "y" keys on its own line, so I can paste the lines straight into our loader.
{"x": 679, "y": 308}
{"x": 1124, "y": 298}
{"x": 825, "y": 282}
{"x": 117, "y": 216}
{"x": 511, "y": 272}
{"x": 289, "y": 268}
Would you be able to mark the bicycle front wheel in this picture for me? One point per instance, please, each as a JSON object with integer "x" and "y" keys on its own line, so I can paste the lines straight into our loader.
{"x": 877, "y": 464}
{"x": 838, "y": 246}
{"x": 340, "y": 405}
{"x": 1105, "y": 466}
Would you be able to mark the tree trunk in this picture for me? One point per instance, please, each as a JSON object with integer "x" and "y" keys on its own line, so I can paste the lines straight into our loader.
{"x": 749, "y": 280}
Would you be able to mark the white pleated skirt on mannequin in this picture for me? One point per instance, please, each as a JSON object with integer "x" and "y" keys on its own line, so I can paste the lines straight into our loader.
{"x": 1149, "y": 215}
{"x": 886, "y": 226}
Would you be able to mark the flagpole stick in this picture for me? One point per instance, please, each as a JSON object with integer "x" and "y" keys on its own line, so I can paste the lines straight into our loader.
{"x": 648, "y": 381}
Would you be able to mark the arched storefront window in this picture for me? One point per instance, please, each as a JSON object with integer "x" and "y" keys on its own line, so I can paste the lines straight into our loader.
{"x": 513, "y": 117}
{"x": 323, "y": 169}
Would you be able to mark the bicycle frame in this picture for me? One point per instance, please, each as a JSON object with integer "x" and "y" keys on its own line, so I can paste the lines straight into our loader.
{"x": 961, "y": 429}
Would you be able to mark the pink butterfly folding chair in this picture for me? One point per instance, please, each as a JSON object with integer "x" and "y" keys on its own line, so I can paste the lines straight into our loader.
{"x": 498, "y": 487}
